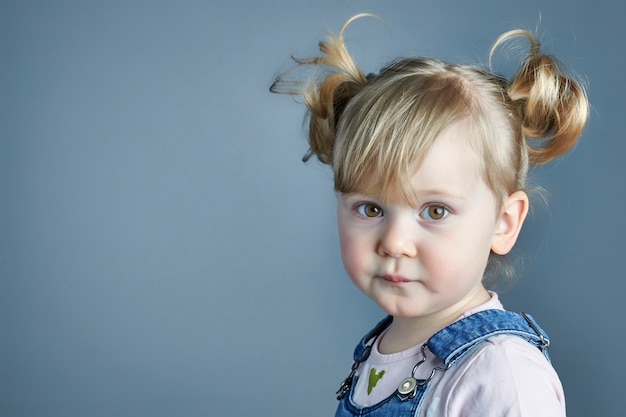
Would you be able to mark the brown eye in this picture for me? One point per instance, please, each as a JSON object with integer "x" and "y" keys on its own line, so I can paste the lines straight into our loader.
{"x": 369, "y": 210}
{"x": 434, "y": 212}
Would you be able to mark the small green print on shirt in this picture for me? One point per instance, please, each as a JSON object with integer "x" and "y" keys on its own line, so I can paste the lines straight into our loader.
{"x": 374, "y": 378}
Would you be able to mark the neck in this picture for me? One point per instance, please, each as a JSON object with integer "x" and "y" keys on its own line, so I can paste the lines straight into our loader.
{"x": 406, "y": 332}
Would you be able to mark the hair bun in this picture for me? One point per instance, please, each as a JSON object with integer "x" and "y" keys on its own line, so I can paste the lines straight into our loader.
{"x": 327, "y": 96}
{"x": 553, "y": 106}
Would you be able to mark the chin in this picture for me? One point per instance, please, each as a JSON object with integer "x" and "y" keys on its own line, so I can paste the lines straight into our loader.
{"x": 399, "y": 311}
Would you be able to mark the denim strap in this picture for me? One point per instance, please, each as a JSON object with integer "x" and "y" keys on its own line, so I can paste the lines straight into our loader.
{"x": 361, "y": 348}
{"x": 449, "y": 347}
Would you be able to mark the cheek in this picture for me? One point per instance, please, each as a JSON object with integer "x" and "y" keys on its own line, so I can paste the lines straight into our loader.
{"x": 352, "y": 253}
{"x": 475, "y": 253}
{"x": 454, "y": 258}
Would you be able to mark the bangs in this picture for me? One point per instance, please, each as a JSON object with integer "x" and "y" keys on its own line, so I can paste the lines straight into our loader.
{"x": 388, "y": 129}
{"x": 382, "y": 174}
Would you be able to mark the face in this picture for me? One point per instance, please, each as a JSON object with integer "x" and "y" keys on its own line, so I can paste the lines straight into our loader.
{"x": 424, "y": 259}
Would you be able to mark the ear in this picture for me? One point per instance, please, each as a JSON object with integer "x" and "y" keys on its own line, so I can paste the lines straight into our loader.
{"x": 510, "y": 222}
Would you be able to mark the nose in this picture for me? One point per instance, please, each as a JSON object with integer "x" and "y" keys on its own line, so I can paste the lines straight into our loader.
{"x": 398, "y": 238}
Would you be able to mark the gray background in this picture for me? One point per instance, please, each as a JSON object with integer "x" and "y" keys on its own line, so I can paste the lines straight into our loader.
{"x": 164, "y": 252}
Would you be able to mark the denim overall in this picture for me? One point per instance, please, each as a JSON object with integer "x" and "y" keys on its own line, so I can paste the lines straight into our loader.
{"x": 449, "y": 345}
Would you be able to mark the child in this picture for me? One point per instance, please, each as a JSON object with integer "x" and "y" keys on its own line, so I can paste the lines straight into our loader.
{"x": 430, "y": 162}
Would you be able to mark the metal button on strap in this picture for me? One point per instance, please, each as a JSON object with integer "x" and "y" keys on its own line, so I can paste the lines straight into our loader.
{"x": 407, "y": 385}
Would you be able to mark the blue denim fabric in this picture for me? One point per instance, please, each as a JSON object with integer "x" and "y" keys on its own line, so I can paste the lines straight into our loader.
{"x": 449, "y": 344}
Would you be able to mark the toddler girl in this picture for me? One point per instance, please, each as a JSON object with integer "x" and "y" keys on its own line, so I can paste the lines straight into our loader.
{"x": 430, "y": 162}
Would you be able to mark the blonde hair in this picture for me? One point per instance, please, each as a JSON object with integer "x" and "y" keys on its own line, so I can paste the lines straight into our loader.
{"x": 375, "y": 129}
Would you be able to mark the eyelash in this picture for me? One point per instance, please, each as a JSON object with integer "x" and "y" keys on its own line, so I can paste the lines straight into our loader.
{"x": 361, "y": 208}
{"x": 445, "y": 214}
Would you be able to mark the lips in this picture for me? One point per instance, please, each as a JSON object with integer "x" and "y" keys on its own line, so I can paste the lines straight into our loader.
{"x": 396, "y": 279}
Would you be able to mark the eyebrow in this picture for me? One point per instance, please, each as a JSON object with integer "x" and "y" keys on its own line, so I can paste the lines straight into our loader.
{"x": 419, "y": 195}
{"x": 436, "y": 192}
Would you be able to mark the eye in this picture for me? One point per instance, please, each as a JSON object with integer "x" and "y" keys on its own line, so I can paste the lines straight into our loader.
{"x": 369, "y": 210}
{"x": 434, "y": 212}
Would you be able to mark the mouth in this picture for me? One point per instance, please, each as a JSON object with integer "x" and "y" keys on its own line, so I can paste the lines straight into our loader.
{"x": 395, "y": 279}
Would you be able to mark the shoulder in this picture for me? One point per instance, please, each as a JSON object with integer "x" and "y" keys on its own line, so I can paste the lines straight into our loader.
{"x": 511, "y": 353}
{"x": 503, "y": 376}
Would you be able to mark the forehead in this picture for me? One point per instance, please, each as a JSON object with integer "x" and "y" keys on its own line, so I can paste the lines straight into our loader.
{"x": 450, "y": 167}
{"x": 451, "y": 159}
